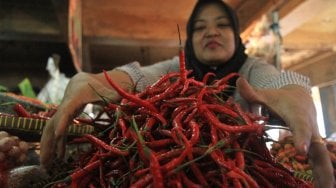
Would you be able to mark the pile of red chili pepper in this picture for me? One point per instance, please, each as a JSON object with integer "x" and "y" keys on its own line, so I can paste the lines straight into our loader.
{"x": 178, "y": 132}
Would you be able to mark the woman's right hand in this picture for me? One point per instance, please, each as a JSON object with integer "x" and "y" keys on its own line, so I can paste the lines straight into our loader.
{"x": 294, "y": 105}
{"x": 81, "y": 90}
{"x": 76, "y": 95}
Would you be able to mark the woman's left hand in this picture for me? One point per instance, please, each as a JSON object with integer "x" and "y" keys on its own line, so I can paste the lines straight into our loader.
{"x": 294, "y": 105}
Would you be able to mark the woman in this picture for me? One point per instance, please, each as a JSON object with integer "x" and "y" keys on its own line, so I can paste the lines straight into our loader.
{"x": 213, "y": 44}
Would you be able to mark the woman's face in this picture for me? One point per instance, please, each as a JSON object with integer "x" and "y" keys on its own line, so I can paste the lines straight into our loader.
{"x": 213, "y": 36}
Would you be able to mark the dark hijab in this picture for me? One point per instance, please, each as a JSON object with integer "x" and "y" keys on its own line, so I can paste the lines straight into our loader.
{"x": 233, "y": 64}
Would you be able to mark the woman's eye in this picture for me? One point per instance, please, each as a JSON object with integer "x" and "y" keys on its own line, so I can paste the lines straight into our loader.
{"x": 199, "y": 27}
{"x": 223, "y": 25}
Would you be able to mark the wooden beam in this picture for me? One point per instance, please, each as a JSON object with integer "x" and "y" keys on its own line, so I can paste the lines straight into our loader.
{"x": 28, "y": 21}
{"x": 320, "y": 69}
{"x": 31, "y": 37}
{"x": 132, "y": 42}
{"x": 309, "y": 45}
{"x": 61, "y": 12}
{"x": 289, "y": 6}
{"x": 301, "y": 14}
{"x": 251, "y": 11}
{"x": 148, "y": 20}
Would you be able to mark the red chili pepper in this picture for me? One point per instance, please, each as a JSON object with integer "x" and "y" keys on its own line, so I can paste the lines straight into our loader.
{"x": 214, "y": 135}
{"x": 278, "y": 176}
{"x": 242, "y": 114}
{"x": 180, "y": 100}
{"x": 282, "y": 177}
{"x": 173, "y": 88}
{"x": 177, "y": 121}
{"x": 262, "y": 163}
{"x": 197, "y": 172}
{"x": 150, "y": 122}
{"x": 177, "y": 161}
{"x": 21, "y": 111}
{"x": 191, "y": 116}
{"x": 222, "y": 109}
{"x": 101, "y": 172}
{"x": 182, "y": 59}
{"x": 239, "y": 156}
{"x": 219, "y": 159}
{"x": 170, "y": 154}
{"x": 141, "y": 172}
{"x": 129, "y": 96}
{"x": 188, "y": 83}
{"x": 80, "y": 173}
{"x": 156, "y": 171}
{"x": 140, "y": 148}
{"x": 207, "y": 76}
{"x": 188, "y": 183}
{"x": 194, "y": 116}
{"x": 257, "y": 144}
{"x": 162, "y": 143}
{"x": 262, "y": 181}
{"x": 83, "y": 182}
{"x": 143, "y": 181}
{"x": 154, "y": 114}
{"x": 222, "y": 83}
{"x": 236, "y": 183}
{"x": 195, "y": 132}
{"x": 229, "y": 128}
{"x": 250, "y": 181}
{"x": 175, "y": 183}
{"x": 190, "y": 87}
{"x": 96, "y": 141}
{"x": 122, "y": 124}
{"x": 151, "y": 90}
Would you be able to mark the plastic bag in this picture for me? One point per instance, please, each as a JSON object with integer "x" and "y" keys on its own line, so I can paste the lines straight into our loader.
{"x": 53, "y": 91}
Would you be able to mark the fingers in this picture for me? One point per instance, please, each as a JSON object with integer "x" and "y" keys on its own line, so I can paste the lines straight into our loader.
{"x": 62, "y": 125}
{"x": 52, "y": 141}
{"x": 322, "y": 167}
{"x": 294, "y": 105}
{"x": 301, "y": 139}
{"x": 246, "y": 91}
{"x": 47, "y": 145}
{"x": 60, "y": 146}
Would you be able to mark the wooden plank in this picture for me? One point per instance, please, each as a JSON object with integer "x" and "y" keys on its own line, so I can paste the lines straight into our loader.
{"x": 252, "y": 10}
{"x": 36, "y": 17}
{"x": 296, "y": 18}
{"x": 113, "y": 40}
{"x": 132, "y": 19}
{"x": 320, "y": 69}
{"x": 61, "y": 12}
{"x": 289, "y": 6}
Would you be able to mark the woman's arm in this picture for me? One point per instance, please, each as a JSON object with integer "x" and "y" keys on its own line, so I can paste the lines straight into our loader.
{"x": 82, "y": 89}
{"x": 294, "y": 105}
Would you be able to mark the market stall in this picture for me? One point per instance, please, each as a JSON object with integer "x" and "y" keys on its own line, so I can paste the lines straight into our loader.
{"x": 178, "y": 132}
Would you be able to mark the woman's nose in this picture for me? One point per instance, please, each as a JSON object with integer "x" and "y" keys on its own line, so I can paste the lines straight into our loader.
{"x": 212, "y": 31}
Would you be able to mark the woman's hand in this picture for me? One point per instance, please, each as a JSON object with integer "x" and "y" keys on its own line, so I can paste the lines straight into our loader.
{"x": 76, "y": 95}
{"x": 83, "y": 88}
{"x": 295, "y": 106}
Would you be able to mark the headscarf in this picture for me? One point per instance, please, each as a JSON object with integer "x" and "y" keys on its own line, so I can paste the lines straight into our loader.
{"x": 233, "y": 64}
